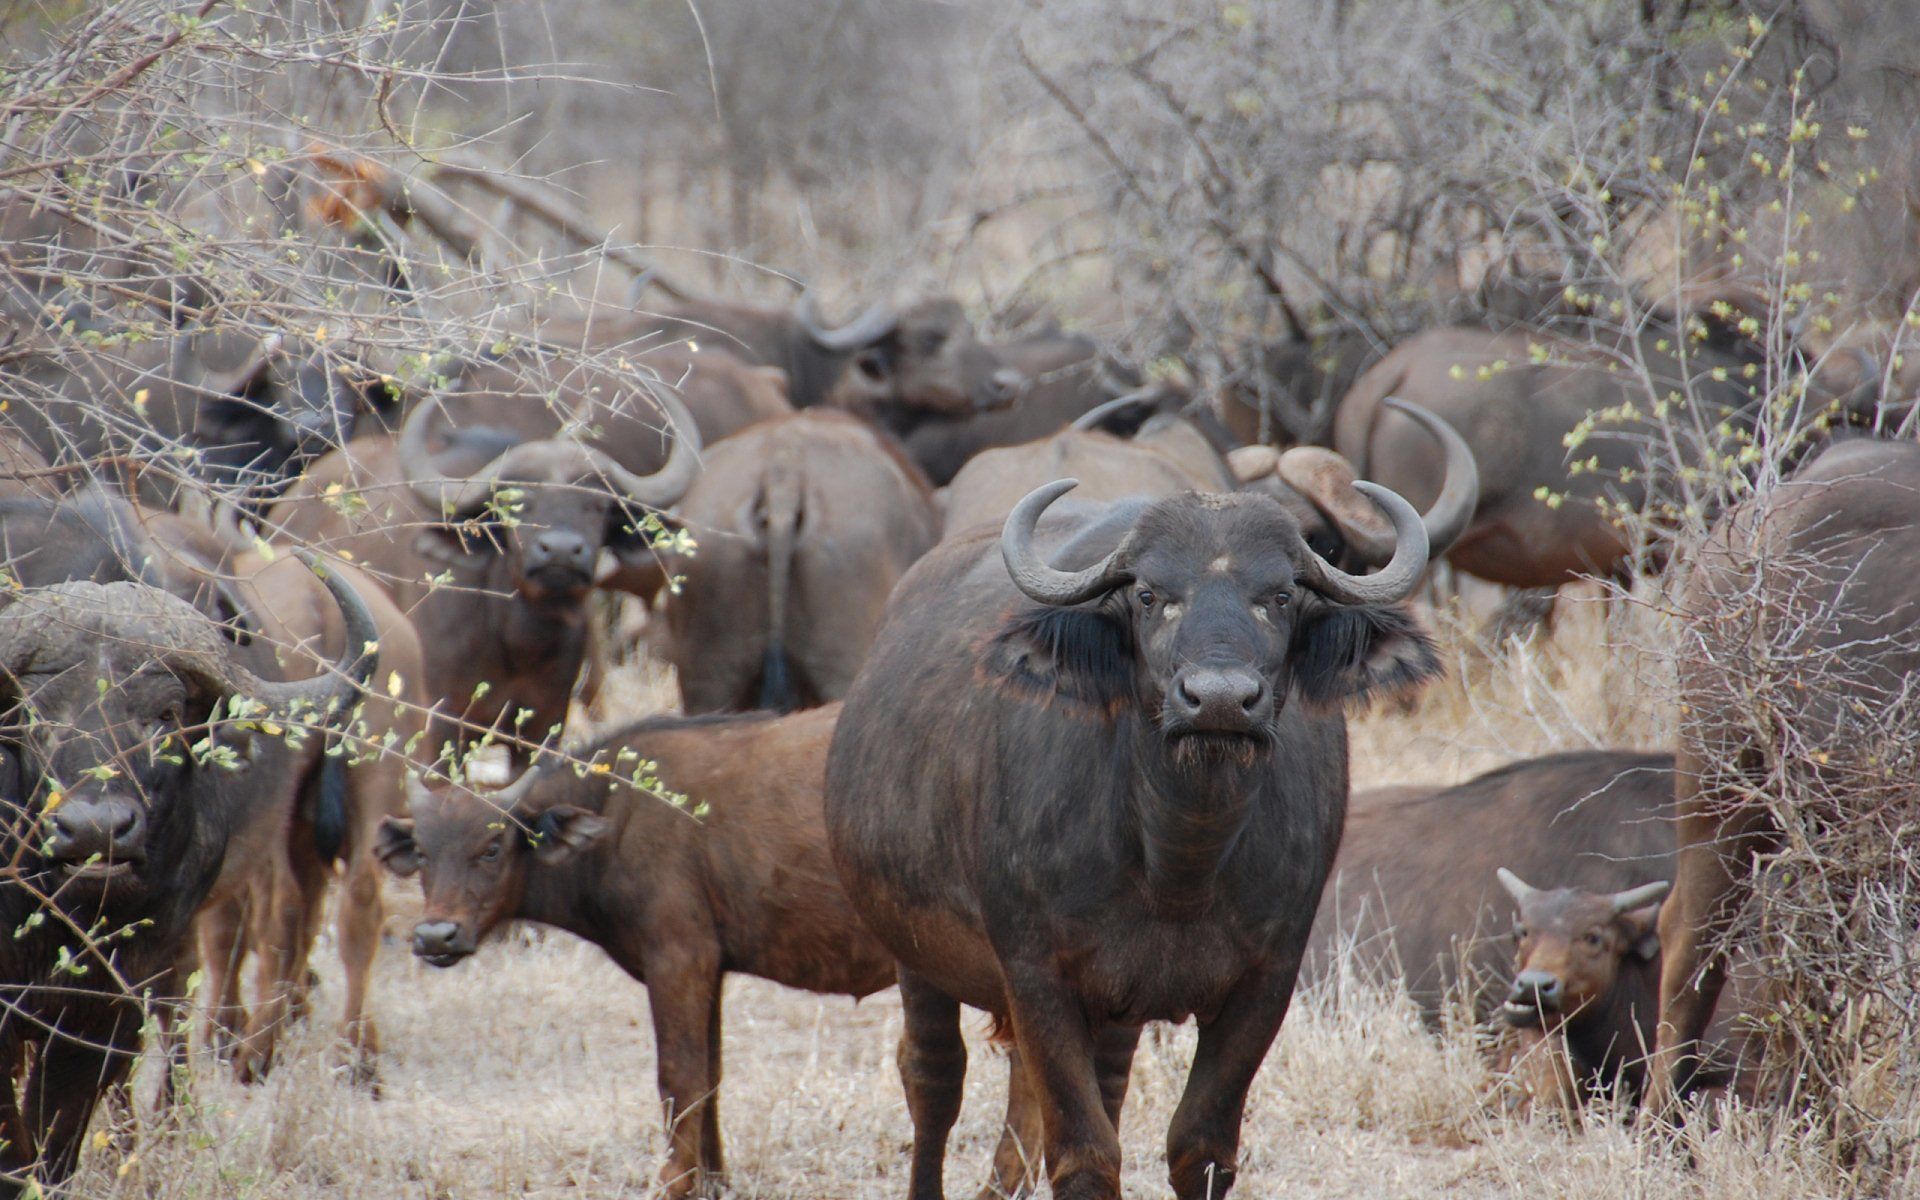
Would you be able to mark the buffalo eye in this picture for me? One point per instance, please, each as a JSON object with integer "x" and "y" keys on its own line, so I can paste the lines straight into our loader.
{"x": 491, "y": 853}
{"x": 1591, "y": 941}
{"x": 1146, "y": 597}
{"x": 1282, "y": 599}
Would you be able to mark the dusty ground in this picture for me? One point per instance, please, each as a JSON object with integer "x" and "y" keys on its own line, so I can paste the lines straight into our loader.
{"x": 528, "y": 1071}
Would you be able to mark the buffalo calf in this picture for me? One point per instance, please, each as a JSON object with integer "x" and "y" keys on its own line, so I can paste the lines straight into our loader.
{"x": 677, "y": 901}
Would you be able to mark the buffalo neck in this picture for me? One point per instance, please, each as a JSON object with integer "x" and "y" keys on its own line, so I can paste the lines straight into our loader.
{"x": 572, "y": 894}
{"x": 1188, "y": 808}
{"x": 1613, "y": 1035}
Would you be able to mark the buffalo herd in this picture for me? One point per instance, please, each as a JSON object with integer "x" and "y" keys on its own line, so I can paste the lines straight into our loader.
{"x": 1009, "y": 678}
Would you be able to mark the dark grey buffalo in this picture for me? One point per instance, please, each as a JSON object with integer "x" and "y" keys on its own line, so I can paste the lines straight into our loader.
{"x": 124, "y": 773}
{"x": 1094, "y": 775}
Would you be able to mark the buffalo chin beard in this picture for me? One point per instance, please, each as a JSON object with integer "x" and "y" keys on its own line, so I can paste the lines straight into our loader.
{"x": 1212, "y": 747}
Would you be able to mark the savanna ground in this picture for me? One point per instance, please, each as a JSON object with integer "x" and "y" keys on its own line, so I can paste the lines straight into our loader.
{"x": 528, "y": 1071}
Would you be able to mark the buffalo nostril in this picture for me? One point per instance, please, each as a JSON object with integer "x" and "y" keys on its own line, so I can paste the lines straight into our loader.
{"x": 435, "y": 937}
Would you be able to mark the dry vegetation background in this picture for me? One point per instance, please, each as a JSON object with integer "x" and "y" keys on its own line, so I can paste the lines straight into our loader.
{"x": 1202, "y": 186}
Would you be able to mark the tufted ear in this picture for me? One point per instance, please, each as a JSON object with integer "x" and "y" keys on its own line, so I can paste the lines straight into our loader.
{"x": 395, "y": 846}
{"x": 1643, "y": 932}
{"x": 564, "y": 831}
{"x": 1355, "y": 652}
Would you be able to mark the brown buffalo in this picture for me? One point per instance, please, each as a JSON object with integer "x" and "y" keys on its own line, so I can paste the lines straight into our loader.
{"x": 888, "y": 363}
{"x": 677, "y": 901}
{"x": 1094, "y": 775}
{"x": 803, "y": 525}
{"x": 1067, "y": 378}
{"x": 1586, "y": 972}
{"x": 268, "y": 900}
{"x": 1516, "y": 415}
{"x": 125, "y": 779}
{"x": 581, "y": 376}
{"x": 492, "y": 550}
{"x": 1799, "y": 617}
{"x": 1413, "y": 890}
{"x": 1170, "y": 455}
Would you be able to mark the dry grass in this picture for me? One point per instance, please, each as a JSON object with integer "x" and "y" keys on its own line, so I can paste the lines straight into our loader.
{"x": 529, "y": 1070}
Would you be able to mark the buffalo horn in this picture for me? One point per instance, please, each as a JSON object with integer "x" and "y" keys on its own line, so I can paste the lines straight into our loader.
{"x": 1521, "y": 891}
{"x": 1393, "y": 582}
{"x": 184, "y": 639}
{"x": 1447, "y": 518}
{"x": 1033, "y": 575}
{"x": 1098, "y": 415}
{"x": 1640, "y": 897}
{"x": 863, "y": 331}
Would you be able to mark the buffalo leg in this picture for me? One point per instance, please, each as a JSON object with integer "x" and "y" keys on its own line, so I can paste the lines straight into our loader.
{"x": 280, "y": 925}
{"x": 933, "y": 1070}
{"x": 1062, "y": 1053}
{"x": 1016, "y": 1160}
{"x": 1203, "y": 1142}
{"x": 683, "y": 990}
{"x": 1709, "y": 880}
{"x": 62, "y": 1091}
{"x": 710, "y": 1152}
{"x": 358, "y": 928}
{"x": 222, "y": 937}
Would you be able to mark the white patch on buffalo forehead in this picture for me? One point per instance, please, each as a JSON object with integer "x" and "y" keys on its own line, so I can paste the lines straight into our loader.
{"x": 1221, "y": 565}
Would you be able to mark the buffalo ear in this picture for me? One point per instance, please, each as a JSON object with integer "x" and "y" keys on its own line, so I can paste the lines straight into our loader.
{"x": 441, "y": 544}
{"x": 564, "y": 831}
{"x": 395, "y": 847}
{"x": 1357, "y": 652}
{"x": 1643, "y": 928}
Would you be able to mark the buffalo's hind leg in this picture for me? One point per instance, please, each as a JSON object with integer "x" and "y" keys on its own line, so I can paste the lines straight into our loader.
{"x": 933, "y": 1070}
{"x": 1203, "y": 1142}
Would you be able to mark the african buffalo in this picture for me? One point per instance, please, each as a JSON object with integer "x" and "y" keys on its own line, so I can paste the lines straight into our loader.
{"x": 492, "y": 546}
{"x": 1066, "y": 378}
{"x": 1800, "y": 642}
{"x": 1170, "y": 455}
{"x": 1585, "y": 970}
{"x": 1516, "y": 413}
{"x": 677, "y": 901}
{"x": 803, "y": 525}
{"x": 127, "y": 766}
{"x": 887, "y": 363}
{"x": 1413, "y": 890}
{"x": 1094, "y": 775}
{"x": 580, "y": 376}
{"x": 324, "y": 822}
{"x": 229, "y": 407}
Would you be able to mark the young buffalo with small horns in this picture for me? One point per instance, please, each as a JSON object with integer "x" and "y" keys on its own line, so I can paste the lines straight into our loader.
{"x": 1093, "y": 775}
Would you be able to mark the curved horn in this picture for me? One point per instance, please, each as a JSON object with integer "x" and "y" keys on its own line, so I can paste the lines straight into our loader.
{"x": 359, "y": 654}
{"x": 676, "y": 475}
{"x": 1448, "y": 516}
{"x": 1640, "y": 897}
{"x": 442, "y": 493}
{"x": 1094, "y": 417}
{"x": 1393, "y": 582}
{"x": 1325, "y": 479}
{"x": 1521, "y": 891}
{"x": 864, "y": 330}
{"x": 1033, "y": 575}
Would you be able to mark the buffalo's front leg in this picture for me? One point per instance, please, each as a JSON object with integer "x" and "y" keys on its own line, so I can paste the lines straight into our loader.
{"x": 1016, "y": 1160}
{"x": 1203, "y": 1143}
{"x": 683, "y": 989}
{"x": 933, "y": 1070}
{"x": 1063, "y": 1053}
